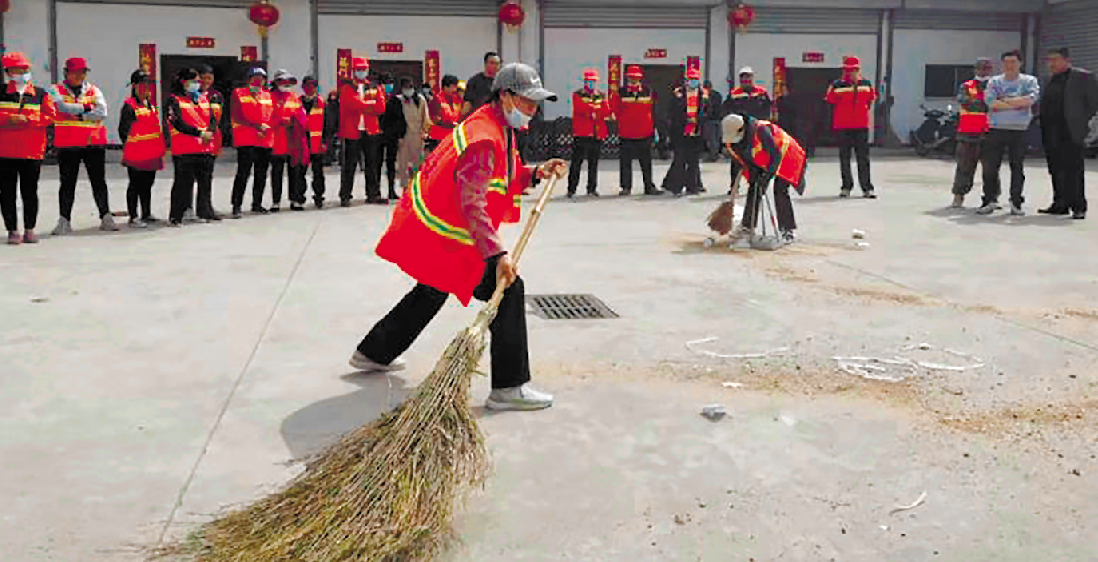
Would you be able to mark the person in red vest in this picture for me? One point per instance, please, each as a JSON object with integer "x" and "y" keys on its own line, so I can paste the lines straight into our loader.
{"x": 688, "y": 113}
{"x": 971, "y": 128}
{"x": 217, "y": 102}
{"x": 746, "y": 99}
{"x": 79, "y": 135}
{"x": 251, "y": 113}
{"x": 142, "y": 147}
{"x": 634, "y": 109}
{"x": 443, "y": 233}
{"x": 851, "y": 100}
{"x": 286, "y": 106}
{"x": 590, "y": 113}
{"x": 361, "y": 104}
{"x": 25, "y": 113}
{"x": 192, "y": 125}
{"x": 765, "y": 153}
{"x": 444, "y": 111}
{"x": 313, "y": 106}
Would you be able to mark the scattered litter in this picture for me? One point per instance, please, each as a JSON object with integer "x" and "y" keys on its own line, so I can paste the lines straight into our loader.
{"x": 39, "y": 300}
{"x": 913, "y": 505}
{"x": 732, "y": 384}
{"x": 883, "y": 527}
{"x": 787, "y": 420}
{"x": 857, "y": 234}
{"x": 862, "y": 245}
{"x": 713, "y": 412}
{"x": 691, "y": 346}
{"x": 681, "y": 520}
{"x": 899, "y": 368}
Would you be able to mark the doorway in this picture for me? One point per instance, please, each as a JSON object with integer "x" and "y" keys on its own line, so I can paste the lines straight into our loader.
{"x": 229, "y": 73}
{"x": 663, "y": 79}
{"x": 807, "y": 88}
{"x": 397, "y": 69}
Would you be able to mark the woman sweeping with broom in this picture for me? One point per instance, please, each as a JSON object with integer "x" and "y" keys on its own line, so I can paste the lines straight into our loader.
{"x": 444, "y": 235}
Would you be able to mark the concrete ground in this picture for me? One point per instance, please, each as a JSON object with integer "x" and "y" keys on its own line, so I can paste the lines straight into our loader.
{"x": 151, "y": 379}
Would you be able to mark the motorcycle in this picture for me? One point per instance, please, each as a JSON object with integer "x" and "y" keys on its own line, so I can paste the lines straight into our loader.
{"x": 938, "y": 133}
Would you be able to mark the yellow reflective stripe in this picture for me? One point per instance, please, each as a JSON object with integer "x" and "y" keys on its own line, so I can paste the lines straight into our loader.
{"x": 435, "y": 224}
{"x": 136, "y": 138}
{"x": 80, "y": 124}
{"x": 499, "y": 185}
{"x": 316, "y": 111}
{"x": 460, "y": 140}
{"x": 13, "y": 105}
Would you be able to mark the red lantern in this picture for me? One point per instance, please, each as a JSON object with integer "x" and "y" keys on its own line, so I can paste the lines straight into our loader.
{"x": 5, "y": 5}
{"x": 263, "y": 14}
{"x": 741, "y": 17}
{"x": 511, "y": 15}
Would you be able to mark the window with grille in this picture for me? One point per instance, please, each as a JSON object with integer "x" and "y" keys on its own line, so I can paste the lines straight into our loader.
{"x": 944, "y": 80}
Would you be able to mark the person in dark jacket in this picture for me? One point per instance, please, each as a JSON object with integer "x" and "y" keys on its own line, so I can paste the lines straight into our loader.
{"x": 1069, "y": 103}
{"x": 217, "y": 103}
{"x": 746, "y": 99}
{"x": 688, "y": 113}
{"x": 393, "y": 129}
{"x": 331, "y": 128}
{"x": 193, "y": 158}
{"x": 713, "y": 146}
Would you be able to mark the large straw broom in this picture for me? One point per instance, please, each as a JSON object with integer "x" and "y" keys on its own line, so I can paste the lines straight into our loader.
{"x": 386, "y": 491}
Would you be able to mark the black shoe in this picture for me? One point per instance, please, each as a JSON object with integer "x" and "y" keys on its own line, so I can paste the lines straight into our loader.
{"x": 297, "y": 207}
{"x": 259, "y": 210}
{"x": 653, "y": 191}
{"x": 844, "y": 194}
{"x": 592, "y": 194}
{"x": 237, "y": 213}
{"x": 693, "y": 192}
{"x": 377, "y": 201}
{"x": 869, "y": 194}
{"x": 344, "y": 202}
{"x": 1054, "y": 210}
{"x": 1079, "y": 215}
{"x": 150, "y": 219}
{"x": 175, "y": 223}
{"x": 276, "y": 208}
{"x": 393, "y": 196}
{"x": 211, "y": 218}
{"x": 571, "y": 194}
{"x": 624, "y": 192}
{"x": 319, "y": 203}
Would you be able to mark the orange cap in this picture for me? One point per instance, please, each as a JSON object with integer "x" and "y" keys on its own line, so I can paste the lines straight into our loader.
{"x": 15, "y": 60}
{"x": 360, "y": 64}
{"x": 591, "y": 74}
{"x": 693, "y": 74}
{"x": 76, "y": 63}
{"x": 634, "y": 71}
{"x": 851, "y": 62}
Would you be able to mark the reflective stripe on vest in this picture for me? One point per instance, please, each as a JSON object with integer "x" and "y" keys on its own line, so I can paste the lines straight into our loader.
{"x": 145, "y": 142}
{"x": 197, "y": 116}
{"x": 69, "y": 130}
{"x": 436, "y": 224}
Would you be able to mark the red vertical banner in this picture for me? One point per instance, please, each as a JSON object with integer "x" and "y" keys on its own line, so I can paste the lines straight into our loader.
{"x": 249, "y": 53}
{"x": 146, "y": 60}
{"x": 613, "y": 73}
{"x": 343, "y": 64}
{"x": 432, "y": 70}
{"x": 779, "y": 82}
{"x": 693, "y": 63}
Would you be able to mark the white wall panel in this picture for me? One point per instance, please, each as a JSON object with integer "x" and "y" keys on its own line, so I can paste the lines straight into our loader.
{"x": 26, "y": 29}
{"x": 718, "y": 48}
{"x": 290, "y": 41}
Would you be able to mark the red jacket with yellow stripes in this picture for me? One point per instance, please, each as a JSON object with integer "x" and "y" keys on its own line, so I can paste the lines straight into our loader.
{"x": 25, "y": 140}
{"x": 851, "y": 103}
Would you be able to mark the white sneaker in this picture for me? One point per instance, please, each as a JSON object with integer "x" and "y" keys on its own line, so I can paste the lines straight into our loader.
{"x": 1016, "y": 211}
{"x": 189, "y": 216}
{"x": 363, "y": 363}
{"x": 138, "y": 223}
{"x": 987, "y": 209}
{"x": 63, "y": 227}
{"x": 518, "y": 398}
{"x": 107, "y": 223}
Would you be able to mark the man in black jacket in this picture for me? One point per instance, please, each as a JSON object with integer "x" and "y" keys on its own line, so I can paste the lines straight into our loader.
{"x": 688, "y": 113}
{"x": 392, "y": 130}
{"x": 1069, "y": 101}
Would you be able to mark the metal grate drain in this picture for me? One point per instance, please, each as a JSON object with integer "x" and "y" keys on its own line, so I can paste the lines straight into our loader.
{"x": 569, "y": 307}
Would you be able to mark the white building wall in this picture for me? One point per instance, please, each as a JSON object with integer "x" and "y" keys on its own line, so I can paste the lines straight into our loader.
{"x": 111, "y": 50}
{"x": 570, "y": 50}
{"x": 758, "y": 50}
{"x": 460, "y": 41}
{"x": 290, "y": 42}
{"x": 26, "y": 29}
{"x": 719, "y": 32}
{"x": 528, "y": 37}
{"x": 917, "y": 48}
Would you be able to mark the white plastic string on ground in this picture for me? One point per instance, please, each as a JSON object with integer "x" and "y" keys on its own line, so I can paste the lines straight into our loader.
{"x": 692, "y": 346}
{"x": 876, "y": 368}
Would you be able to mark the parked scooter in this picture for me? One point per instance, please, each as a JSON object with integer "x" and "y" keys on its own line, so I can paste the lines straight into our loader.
{"x": 938, "y": 133}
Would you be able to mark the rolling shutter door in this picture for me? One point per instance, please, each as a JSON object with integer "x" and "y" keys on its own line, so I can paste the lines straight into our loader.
{"x": 815, "y": 21}
{"x": 964, "y": 21}
{"x": 589, "y": 14}
{"x": 1073, "y": 25}
{"x": 468, "y": 8}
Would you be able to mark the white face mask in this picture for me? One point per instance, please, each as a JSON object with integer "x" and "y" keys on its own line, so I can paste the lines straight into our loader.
{"x": 409, "y": 92}
{"x": 193, "y": 87}
{"x": 517, "y": 119}
{"x": 360, "y": 75}
{"x": 286, "y": 88}
{"x": 20, "y": 78}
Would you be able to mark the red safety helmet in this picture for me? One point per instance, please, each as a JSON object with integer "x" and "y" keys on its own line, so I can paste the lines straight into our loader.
{"x": 693, "y": 74}
{"x": 360, "y": 64}
{"x": 634, "y": 71}
{"x": 15, "y": 60}
{"x": 76, "y": 63}
{"x": 591, "y": 74}
{"x": 851, "y": 62}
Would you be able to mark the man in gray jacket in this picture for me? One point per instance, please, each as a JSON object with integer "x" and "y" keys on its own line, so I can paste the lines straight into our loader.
{"x": 1070, "y": 101}
{"x": 1010, "y": 97}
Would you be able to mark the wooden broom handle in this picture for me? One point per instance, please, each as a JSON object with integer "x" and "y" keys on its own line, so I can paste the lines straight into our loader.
{"x": 524, "y": 238}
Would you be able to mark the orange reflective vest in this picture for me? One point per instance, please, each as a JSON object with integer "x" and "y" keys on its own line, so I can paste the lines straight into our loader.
{"x": 144, "y": 148}
{"x": 217, "y": 105}
{"x": 249, "y": 112}
{"x": 590, "y": 111}
{"x": 69, "y": 131}
{"x": 791, "y": 157}
{"x": 973, "y": 118}
{"x": 428, "y": 236}
{"x": 285, "y": 106}
{"x": 27, "y": 140}
{"x": 197, "y": 115}
{"x": 314, "y": 123}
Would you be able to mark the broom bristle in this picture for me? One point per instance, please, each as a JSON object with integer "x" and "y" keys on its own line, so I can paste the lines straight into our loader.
{"x": 720, "y": 220}
{"x": 386, "y": 491}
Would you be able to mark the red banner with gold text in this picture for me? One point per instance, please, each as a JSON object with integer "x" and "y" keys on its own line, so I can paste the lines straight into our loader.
{"x": 146, "y": 60}
{"x": 432, "y": 70}
{"x": 343, "y": 64}
{"x": 613, "y": 73}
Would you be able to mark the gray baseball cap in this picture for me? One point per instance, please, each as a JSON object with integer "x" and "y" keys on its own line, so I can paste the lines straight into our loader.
{"x": 285, "y": 75}
{"x": 523, "y": 80}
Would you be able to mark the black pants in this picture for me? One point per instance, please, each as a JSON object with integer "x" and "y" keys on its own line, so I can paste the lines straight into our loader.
{"x": 856, "y": 140}
{"x": 1067, "y": 167}
{"x": 389, "y": 150}
{"x": 279, "y": 164}
{"x": 968, "y": 157}
{"x": 19, "y": 174}
{"x": 996, "y": 143}
{"x": 685, "y": 172}
{"x": 584, "y": 148}
{"x": 430, "y": 144}
{"x": 250, "y": 159}
{"x": 140, "y": 192}
{"x": 68, "y": 160}
{"x": 713, "y": 144}
{"x": 367, "y": 150}
{"x": 298, "y": 196}
{"x": 640, "y": 150}
{"x": 189, "y": 169}
{"x": 396, "y": 332}
{"x": 783, "y": 206}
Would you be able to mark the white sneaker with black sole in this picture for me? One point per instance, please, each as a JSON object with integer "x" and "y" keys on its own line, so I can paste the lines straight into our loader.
{"x": 987, "y": 209}
{"x": 365, "y": 364}
{"x": 1016, "y": 211}
{"x": 521, "y": 398}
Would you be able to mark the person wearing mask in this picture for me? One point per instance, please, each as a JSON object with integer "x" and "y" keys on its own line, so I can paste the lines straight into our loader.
{"x": 971, "y": 128}
{"x": 713, "y": 143}
{"x": 191, "y": 125}
{"x": 79, "y": 135}
{"x": 445, "y": 111}
{"x": 687, "y": 113}
{"x": 1069, "y": 103}
{"x": 361, "y": 104}
{"x": 314, "y": 107}
{"x": 393, "y": 128}
{"x": 251, "y": 114}
{"x": 478, "y": 89}
{"x": 25, "y": 113}
{"x": 283, "y": 122}
{"x": 142, "y": 147}
{"x": 745, "y": 99}
{"x": 590, "y": 113}
{"x": 1009, "y": 97}
{"x": 217, "y": 102}
{"x": 634, "y": 110}
{"x": 851, "y": 99}
{"x": 417, "y": 126}
{"x": 444, "y": 235}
